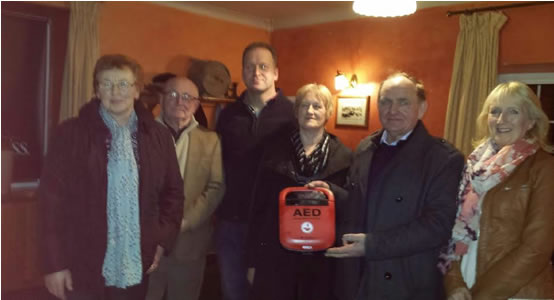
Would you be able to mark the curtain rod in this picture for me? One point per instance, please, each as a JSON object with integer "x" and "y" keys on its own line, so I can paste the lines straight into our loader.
{"x": 515, "y": 5}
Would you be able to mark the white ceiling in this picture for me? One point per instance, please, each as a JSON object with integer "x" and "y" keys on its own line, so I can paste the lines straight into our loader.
{"x": 271, "y": 15}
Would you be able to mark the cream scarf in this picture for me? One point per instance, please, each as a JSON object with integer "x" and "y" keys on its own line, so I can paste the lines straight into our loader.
{"x": 486, "y": 167}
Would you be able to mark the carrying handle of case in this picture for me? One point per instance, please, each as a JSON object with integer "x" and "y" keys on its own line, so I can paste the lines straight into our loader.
{"x": 285, "y": 191}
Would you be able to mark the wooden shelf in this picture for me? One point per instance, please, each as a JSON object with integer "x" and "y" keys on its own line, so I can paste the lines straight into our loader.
{"x": 215, "y": 100}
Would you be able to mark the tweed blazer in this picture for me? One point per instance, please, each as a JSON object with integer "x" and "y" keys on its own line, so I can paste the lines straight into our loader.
{"x": 204, "y": 187}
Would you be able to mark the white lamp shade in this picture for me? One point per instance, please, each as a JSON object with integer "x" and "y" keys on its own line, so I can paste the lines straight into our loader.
{"x": 341, "y": 82}
{"x": 382, "y": 8}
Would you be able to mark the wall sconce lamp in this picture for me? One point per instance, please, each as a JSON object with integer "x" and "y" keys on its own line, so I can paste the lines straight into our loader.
{"x": 341, "y": 82}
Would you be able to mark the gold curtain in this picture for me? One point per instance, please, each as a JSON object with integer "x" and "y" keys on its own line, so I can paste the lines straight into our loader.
{"x": 473, "y": 75}
{"x": 82, "y": 53}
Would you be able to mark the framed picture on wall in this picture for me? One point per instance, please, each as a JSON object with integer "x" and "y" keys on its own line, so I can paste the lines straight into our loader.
{"x": 352, "y": 111}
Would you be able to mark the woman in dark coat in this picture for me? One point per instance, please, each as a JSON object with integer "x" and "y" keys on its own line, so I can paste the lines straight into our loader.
{"x": 111, "y": 194}
{"x": 308, "y": 153}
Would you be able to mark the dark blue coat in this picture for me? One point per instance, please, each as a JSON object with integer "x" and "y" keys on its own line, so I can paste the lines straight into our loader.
{"x": 282, "y": 274}
{"x": 73, "y": 195}
{"x": 411, "y": 208}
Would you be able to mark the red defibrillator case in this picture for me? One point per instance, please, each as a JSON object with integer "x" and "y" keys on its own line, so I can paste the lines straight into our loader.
{"x": 306, "y": 219}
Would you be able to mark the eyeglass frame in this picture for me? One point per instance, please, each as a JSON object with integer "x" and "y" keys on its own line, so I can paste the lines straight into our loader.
{"x": 187, "y": 98}
{"x": 123, "y": 86}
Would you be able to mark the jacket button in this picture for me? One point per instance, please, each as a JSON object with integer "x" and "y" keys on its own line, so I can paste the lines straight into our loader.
{"x": 398, "y": 199}
{"x": 263, "y": 244}
{"x": 388, "y": 276}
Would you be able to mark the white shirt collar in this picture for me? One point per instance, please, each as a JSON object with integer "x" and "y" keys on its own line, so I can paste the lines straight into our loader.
{"x": 402, "y": 138}
{"x": 193, "y": 123}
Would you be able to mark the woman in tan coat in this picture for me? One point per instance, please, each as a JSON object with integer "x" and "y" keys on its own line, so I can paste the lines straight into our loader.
{"x": 503, "y": 237}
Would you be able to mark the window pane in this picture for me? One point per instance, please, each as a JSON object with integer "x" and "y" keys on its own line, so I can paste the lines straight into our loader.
{"x": 551, "y": 134}
{"x": 23, "y": 61}
{"x": 547, "y": 100}
{"x": 533, "y": 87}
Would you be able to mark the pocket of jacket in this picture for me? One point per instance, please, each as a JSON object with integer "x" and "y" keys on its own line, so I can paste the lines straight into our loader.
{"x": 510, "y": 206}
{"x": 514, "y": 200}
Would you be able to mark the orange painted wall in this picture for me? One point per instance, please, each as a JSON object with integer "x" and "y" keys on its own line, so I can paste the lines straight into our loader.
{"x": 422, "y": 44}
{"x": 528, "y": 36}
{"x": 163, "y": 39}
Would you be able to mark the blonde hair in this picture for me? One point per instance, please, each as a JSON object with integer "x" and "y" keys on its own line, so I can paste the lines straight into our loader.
{"x": 321, "y": 93}
{"x": 530, "y": 105}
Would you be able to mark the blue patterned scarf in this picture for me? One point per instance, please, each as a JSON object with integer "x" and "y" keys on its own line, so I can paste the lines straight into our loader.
{"x": 122, "y": 264}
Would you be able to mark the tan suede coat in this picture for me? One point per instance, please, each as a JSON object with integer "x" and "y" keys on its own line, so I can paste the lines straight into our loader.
{"x": 517, "y": 236}
{"x": 204, "y": 188}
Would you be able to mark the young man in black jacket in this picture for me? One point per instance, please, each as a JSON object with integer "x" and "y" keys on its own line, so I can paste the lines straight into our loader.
{"x": 261, "y": 113}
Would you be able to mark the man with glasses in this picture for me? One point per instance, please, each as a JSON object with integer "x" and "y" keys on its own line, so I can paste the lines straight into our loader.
{"x": 181, "y": 273}
{"x": 152, "y": 94}
{"x": 261, "y": 113}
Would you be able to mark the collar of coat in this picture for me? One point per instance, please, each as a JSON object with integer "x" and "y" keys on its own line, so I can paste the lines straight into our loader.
{"x": 89, "y": 114}
{"x": 339, "y": 159}
{"x": 419, "y": 134}
{"x": 278, "y": 97}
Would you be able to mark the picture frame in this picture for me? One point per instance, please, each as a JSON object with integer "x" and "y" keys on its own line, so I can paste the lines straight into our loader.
{"x": 352, "y": 111}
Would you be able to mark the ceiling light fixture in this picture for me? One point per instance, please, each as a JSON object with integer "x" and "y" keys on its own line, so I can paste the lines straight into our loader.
{"x": 379, "y": 8}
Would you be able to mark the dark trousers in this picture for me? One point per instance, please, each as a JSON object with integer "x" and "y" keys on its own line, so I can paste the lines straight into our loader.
{"x": 177, "y": 279}
{"x": 294, "y": 276}
{"x": 230, "y": 240}
{"x": 135, "y": 292}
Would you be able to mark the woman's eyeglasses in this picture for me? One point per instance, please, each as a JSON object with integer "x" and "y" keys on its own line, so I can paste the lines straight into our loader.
{"x": 122, "y": 85}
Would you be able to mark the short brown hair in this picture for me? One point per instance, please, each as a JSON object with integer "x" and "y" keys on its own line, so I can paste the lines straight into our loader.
{"x": 420, "y": 89}
{"x": 262, "y": 45}
{"x": 118, "y": 61}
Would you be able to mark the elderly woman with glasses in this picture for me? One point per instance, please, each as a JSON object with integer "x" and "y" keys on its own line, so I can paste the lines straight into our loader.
{"x": 503, "y": 236}
{"x": 308, "y": 153}
{"x": 111, "y": 192}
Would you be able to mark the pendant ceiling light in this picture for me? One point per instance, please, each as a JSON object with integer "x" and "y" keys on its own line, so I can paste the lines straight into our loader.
{"x": 383, "y": 8}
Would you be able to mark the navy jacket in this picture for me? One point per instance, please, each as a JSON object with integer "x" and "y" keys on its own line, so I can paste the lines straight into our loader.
{"x": 243, "y": 136}
{"x": 280, "y": 272}
{"x": 411, "y": 208}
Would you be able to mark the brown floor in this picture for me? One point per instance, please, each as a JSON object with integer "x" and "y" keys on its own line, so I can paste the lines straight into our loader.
{"x": 211, "y": 289}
